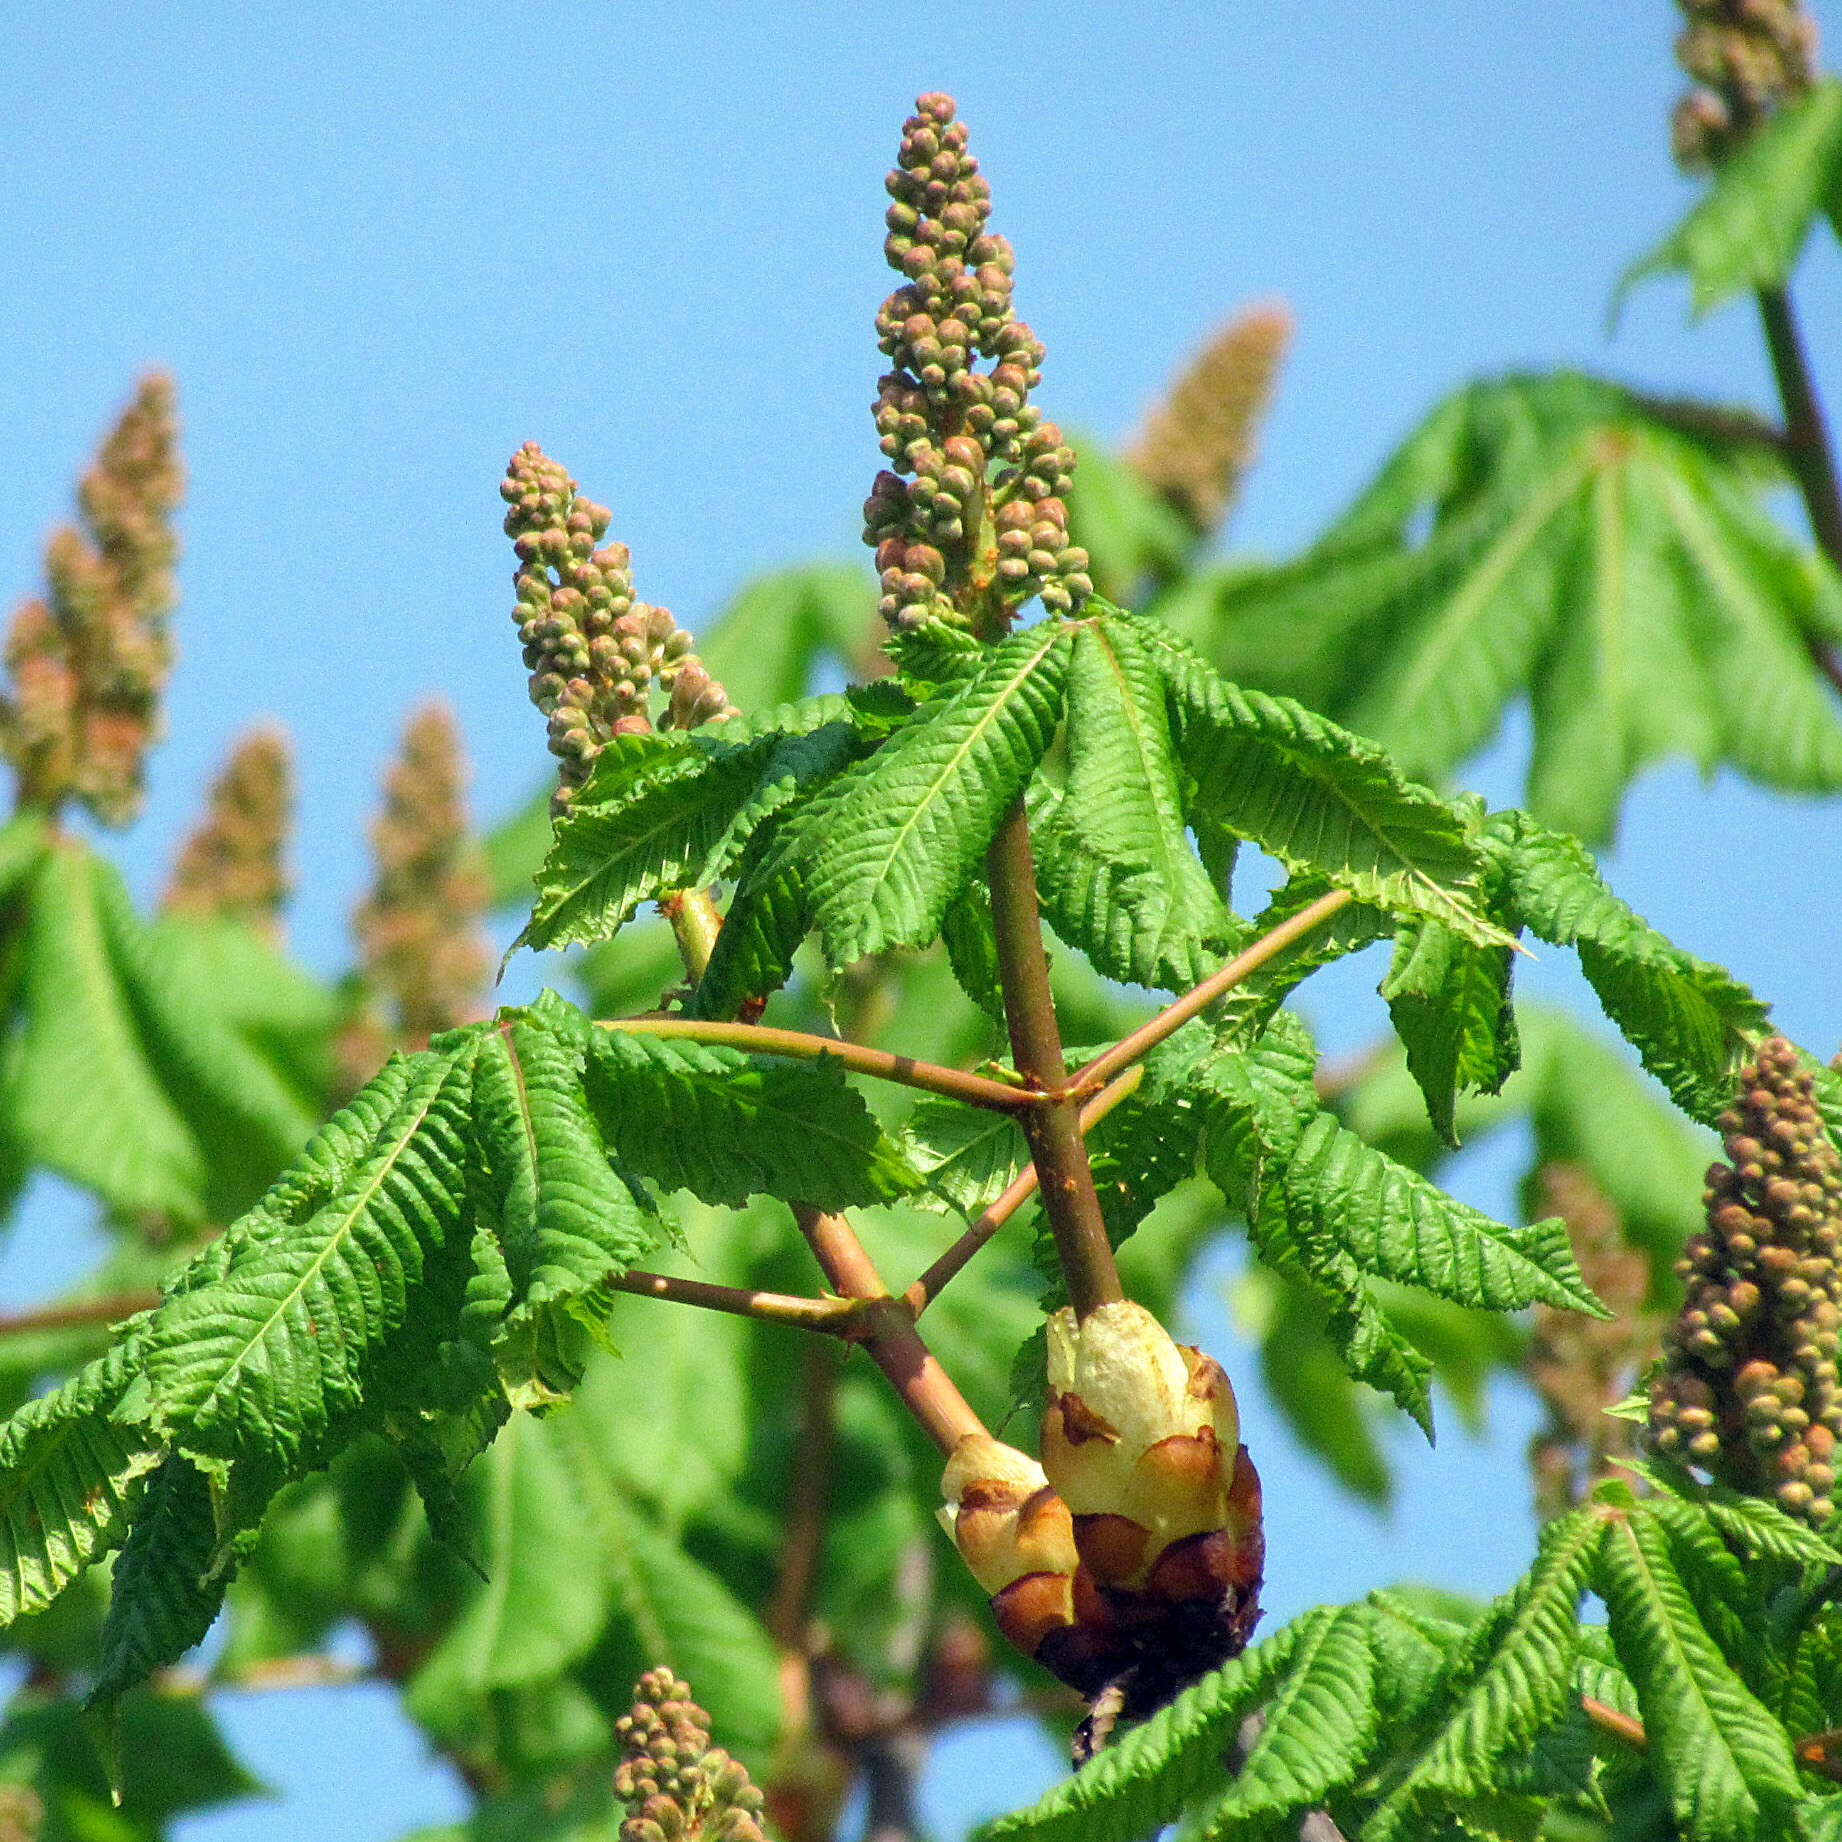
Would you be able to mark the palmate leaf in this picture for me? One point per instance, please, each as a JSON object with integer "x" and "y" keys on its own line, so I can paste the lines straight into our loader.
{"x": 1723, "y": 1760}
{"x": 271, "y": 1348}
{"x": 1587, "y": 547}
{"x": 1144, "y": 1779}
{"x": 669, "y": 811}
{"x": 967, "y": 1156}
{"x": 727, "y": 1126}
{"x": 916, "y": 817}
{"x": 1690, "y": 1021}
{"x": 1512, "y": 1678}
{"x": 69, "y": 1477}
{"x": 1321, "y": 800}
{"x": 1117, "y": 874}
{"x": 1748, "y": 228}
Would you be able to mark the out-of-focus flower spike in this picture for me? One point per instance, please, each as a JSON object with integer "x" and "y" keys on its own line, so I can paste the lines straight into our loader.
{"x": 1747, "y": 59}
{"x": 233, "y": 864}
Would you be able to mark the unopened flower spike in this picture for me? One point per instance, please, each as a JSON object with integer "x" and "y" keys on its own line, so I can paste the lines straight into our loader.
{"x": 88, "y": 662}
{"x": 593, "y": 649}
{"x": 1748, "y": 1389}
{"x": 1747, "y": 59}
{"x": 971, "y": 504}
{"x": 418, "y": 931}
{"x": 678, "y": 1787}
{"x": 234, "y": 862}
{"x": 1198, "y": 444}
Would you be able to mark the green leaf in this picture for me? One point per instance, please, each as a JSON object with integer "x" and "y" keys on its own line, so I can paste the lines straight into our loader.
{"x": 1321, "y": 800}
{"x": 269, "y": 1356}
{"x": 1692, "y": 1022}
{"x": 1754, "y": 1525}
{"x": 566, "y": 1222}
{"x": 967, "y": 1156}
{"x": 766, "y": 645}
{"x": 1143, "y": 1780}
{"x": 1117, "y": 874}
{"x": 1748, "y": 228}
{"x": 1512, "y": 1678}
{"x": 671, "y": 811}
{"x": 1130, "y": 531}
{"x": 1724, "y": 1762}
{"x": 1319, "y": 1727}
{"x": 919, "y": 813}
{"x": 1606, "y": 554}
{"x": 69, "y": 1477}
{"x": 727, "y": 1126}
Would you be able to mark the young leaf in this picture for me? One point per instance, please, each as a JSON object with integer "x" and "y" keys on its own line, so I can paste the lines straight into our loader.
{"x": 920, "y": 812}
{"x": 267, "y": 1358}
{"x": 1723, "y": 1760}
{"x": 967, "y": 1156}
{"x": 1118, "y": 877}
{"x": 1748, "y": 228}
{"x": 1318, "y": 798}
{"x": 1512, "y": 1678}
{"x": 1144, "y": 1779}
{"x": 1689, "y": 1020}
{"x": 69, "y": 1476}
{"x": 727, "y": 1126}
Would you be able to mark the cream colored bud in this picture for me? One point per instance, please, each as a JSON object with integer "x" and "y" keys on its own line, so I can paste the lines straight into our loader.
{"x": 1002, "y": 1515}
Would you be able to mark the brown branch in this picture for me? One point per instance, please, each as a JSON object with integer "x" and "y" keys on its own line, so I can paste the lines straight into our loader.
{"x": 810, "y": 1496}
{"x": 1806, "y": 448}
{"x": 109, "y": 1310}
{"x": 836, "y": 1317}
{"x": 1053, "y": 1130}
{"x": 1174, "y": 1016}
{"x": 904, "y": 1070}
{"x": 895, "y": 1346}
{"x": 1021, "y": 1188}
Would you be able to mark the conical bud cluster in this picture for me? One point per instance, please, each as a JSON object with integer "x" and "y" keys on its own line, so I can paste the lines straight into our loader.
{"x": 1198, "y": 444}
{"x": 418, "y": 930}
{"x": 1748, "y": 1391}
{"x": 233, "y": 863}
{"x": 1747, "y": 58}
{"x": 678, "y": 1787}
{"x": 594, "y": 650}
{"x": 89, "y": 661}
{"x": 1131, "y": 1556}
{"x": 974, "y": 496}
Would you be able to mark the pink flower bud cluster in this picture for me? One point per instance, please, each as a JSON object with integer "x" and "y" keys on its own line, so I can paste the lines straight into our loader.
{"x": 593, "y": 648}
{"x": 973, "y": 502}
{"x": 678, "y": 1787}
{"x": 1747, "y": 58}
{"x": 233, "y": 863}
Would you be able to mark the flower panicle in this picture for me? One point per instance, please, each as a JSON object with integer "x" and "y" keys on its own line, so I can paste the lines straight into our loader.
{"x": 1198, "y": 444}
{"x": 88, "y": 661}
{"x": 233, "y": 864}
{"x": 593, "y": 648}
{"x": 1747, "y": 59}
{"x": 676, "y": 1785}
{"x": 971, "y": 510}
{"x": 1748, "y": 1389}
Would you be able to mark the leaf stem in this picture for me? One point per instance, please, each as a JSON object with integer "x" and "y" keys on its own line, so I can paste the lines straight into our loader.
{"x": 1623, "y": 1727}
{"x": 904, "y": 1070}
{"x": 931, "y": 1283}
{"x": 695, "y": 924}
{"x": 1053, "y": 1130}
{"x": 836, "y": 1317}
{"x": 895, "y": 1346}
{"x": 109, "y": 1310}
{"x": 1173, "y": 1017}
{"x": 1807, "y": 446}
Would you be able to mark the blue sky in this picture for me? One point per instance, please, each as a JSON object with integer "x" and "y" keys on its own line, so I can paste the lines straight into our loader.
{"x": 380, "y": 247}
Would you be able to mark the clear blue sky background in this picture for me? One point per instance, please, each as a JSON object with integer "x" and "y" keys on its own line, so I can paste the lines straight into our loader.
{"x": 380, "y": 246}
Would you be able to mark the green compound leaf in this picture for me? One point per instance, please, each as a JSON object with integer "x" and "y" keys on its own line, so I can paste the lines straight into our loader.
{"x": 1512, "y": 1678}
{"x": 1748, "y": 228}
{"x": 566, "y": 1222}
{"x": 671, "y": 811}
{"x": 1606, "y": 555}
{"x": 1118, "y": 877}
{"x": 919, "y": 813}
{"x": 1321, "y": 800}
{"x": 727, "y": 1126}
{"x": 274, "y": 1343}
{"x": 1690, "y": 1021}
{"x": 1144, "y": 1779}
{"x": 1723, "y": 1760}
{"x": 69, "y": 1477}
{"x": 967, "y": 1155}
